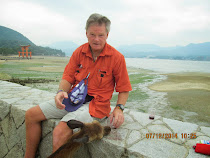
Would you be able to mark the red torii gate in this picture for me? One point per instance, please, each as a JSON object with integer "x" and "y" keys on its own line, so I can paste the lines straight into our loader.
{"x": 25, "y": 51}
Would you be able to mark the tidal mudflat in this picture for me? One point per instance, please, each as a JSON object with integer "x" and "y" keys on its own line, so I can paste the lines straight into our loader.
{"x": 180, "y": 96}
{"x": 188, "y": 95}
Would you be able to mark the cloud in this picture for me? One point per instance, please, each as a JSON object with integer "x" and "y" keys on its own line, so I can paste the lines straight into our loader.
{"x": 162, "y": 22}
{"x": 38, "y": 22}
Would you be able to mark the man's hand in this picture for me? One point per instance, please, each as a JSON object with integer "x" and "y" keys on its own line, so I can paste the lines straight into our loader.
{"x": 118, "y": 116}
{"x": 59, "y": 99}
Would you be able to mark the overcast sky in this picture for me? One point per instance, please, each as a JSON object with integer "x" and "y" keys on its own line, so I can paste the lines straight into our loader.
{"x": 161, "y": 22}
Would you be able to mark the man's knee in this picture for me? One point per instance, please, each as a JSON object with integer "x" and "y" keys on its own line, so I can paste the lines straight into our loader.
{"x": 61, "y": 132}
{"x": 34, "y": 114}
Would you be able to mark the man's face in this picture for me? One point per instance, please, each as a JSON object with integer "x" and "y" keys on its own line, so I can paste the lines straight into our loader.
{"x": 97, "y": 36}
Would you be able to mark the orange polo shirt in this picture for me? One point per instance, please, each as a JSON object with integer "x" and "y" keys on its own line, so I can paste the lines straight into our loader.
{"x": 106, "y": 73}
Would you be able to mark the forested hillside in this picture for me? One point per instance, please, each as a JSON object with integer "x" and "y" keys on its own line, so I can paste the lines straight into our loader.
{"x": 10, "y": 41}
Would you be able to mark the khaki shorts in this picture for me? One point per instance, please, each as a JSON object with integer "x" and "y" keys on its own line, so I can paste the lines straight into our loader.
{"x": 50, "y": 111}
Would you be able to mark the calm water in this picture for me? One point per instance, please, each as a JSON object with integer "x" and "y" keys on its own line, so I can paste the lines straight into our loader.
{"x": 169, "y": 66}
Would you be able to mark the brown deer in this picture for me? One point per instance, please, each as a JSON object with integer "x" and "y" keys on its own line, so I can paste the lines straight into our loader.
{"x": 88, "y": 133}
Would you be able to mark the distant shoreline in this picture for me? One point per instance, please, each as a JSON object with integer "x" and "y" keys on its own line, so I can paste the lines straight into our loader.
{"x": 203, "y": 58}
{"x": 182, "y": 58}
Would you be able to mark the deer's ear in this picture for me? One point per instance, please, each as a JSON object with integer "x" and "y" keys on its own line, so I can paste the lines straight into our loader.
{"x": 75, "y": 124}
{"x": 84, "y": 139}
{"x": 107, "y": 130}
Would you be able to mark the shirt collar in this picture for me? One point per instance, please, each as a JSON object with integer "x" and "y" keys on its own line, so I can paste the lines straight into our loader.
{"x": 105, "y": 51}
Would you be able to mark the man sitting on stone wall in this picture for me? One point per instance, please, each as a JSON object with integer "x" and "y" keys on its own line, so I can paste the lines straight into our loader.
{"x": 107, "y": 70}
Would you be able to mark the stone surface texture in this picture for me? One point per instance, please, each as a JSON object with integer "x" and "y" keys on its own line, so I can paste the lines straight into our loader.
{"x": 138, "y": 137}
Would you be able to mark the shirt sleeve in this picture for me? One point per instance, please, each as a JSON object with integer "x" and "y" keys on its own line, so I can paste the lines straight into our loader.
{"x": 121, "y": 76}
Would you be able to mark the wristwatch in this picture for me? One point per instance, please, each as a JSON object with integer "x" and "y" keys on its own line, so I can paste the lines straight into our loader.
{"x": 120, "y": 106}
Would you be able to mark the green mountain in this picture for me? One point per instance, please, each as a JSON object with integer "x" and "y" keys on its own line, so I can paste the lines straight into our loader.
{"x": 10, "y": 41}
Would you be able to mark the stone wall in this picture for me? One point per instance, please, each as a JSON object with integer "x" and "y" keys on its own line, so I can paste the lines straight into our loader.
{"x": 130, "y": 140}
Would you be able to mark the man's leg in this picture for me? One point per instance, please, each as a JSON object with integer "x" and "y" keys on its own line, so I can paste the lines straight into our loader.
{"x": 33, "y": 118}
{"x": 61, "y": 133}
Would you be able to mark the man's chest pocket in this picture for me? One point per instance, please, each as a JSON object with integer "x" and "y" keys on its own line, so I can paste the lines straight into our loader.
{"x": 80, "y": 73}
{"x": 104, "y": 77}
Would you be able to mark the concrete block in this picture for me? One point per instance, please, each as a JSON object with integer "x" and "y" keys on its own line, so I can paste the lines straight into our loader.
{"x": 159, "y": 148}
{"x": 10, "y": 132}
{"x": 3, "y": 149}
{"x": 16, "y": 152}
{"x": 4, "y": 109}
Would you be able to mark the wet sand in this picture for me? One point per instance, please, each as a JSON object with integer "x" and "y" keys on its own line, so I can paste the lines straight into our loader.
{"x": 183, "y": 81}
{"x": 188, "y": 94}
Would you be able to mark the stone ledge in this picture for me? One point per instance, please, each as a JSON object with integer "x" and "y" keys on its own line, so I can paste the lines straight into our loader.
{"x": 130, "y": 140}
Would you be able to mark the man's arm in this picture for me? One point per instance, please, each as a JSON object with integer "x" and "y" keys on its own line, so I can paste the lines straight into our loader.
{"x": 118, "y": 113}
{"x": 64, "y": 87}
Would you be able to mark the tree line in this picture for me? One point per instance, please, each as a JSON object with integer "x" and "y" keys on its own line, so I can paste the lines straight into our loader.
{"x": 11, "y": 47}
